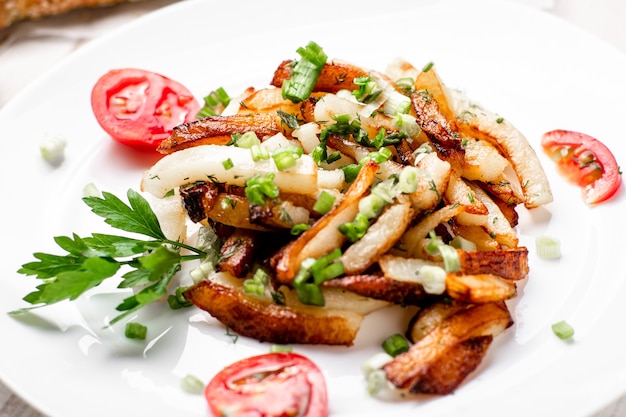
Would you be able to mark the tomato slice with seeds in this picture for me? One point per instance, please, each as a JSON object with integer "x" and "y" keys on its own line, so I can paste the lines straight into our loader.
{"x": 140, "y": 108}
{"x": 585, "y": 161}
{"x": 272, "y": 384}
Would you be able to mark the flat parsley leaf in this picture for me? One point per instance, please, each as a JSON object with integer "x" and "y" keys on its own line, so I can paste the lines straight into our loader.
{"x": 91, "y": 260}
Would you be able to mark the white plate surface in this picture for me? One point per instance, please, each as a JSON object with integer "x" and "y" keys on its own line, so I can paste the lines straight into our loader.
{"x": 533, "y": 69}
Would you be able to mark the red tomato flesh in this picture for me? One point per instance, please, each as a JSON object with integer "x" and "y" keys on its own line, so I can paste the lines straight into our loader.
{"x": 140, "y": 108}
{"x": 584, "y": 161}
{"x": 274, "y": 384}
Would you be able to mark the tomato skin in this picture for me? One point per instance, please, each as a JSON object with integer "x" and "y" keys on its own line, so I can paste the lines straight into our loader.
{"x": 272, "y": 384}
{"x": 140, "y": 108}
{"x": 584, "y": 161}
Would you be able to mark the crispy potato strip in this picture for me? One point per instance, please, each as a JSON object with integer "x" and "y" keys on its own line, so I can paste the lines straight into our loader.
{"x": 459, "y": 341}
{"x": 224, "y": 298}
{"x": 218, "y": 130}
{"x": 324, "y": 236}
{"x": 482, "y": 123}
{"x": 380, "y": 237}
{"x": 334, "y": 77}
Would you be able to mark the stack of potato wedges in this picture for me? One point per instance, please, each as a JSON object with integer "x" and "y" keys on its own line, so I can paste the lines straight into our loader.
{"x": 474, "y": 171}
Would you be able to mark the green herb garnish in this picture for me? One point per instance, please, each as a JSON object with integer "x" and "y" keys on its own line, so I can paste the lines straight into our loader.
{"x": 91, "y": 260}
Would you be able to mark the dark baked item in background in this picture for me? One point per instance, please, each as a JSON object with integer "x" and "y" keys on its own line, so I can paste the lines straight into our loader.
{"x": 12, "y": 11}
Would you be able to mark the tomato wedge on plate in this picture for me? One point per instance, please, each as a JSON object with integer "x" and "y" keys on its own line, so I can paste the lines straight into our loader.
{"x": 272, "y": 384}
{"x": 584, "y": 161}
{"x": 140, "y": 108}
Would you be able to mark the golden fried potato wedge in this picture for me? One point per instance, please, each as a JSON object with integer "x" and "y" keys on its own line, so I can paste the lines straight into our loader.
{"x": 223, "y": 297}
{"x": 495, "y": 222}
{"x": 511, "y": 264}
{"x": 379, "y": 238}
{"x": 411, "y": 245}
{"x": 484, "y": 124}
{"x": 324, "y": 236}
{"x": 479, "y": 288}
{"x": 446, "y": 373}
{"x": 267, "y": 100}
{"x": 217, "y": 130}
{"x": 205, "y": 162}
{"x": 458, "y": 192}
{"x": 479, "y": 236}
{"x": 429, "y": 80}
{"x": 447, "y": 143}
{"x": 380, "y": 287}
{"x": 335, "y": 76}
{"x": 430, "y": 317}
{"x": 237, "y": 252}
{"x": 421, "y": 367}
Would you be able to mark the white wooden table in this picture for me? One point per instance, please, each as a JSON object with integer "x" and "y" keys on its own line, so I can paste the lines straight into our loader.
{"x": 27, "y": 49}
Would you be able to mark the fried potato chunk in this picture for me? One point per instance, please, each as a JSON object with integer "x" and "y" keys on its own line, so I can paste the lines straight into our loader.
{"x": 223, "y": 297}
{"x": 432, "y": 365}
{"x": 218, "y": 130}
{"x": 335, "y": 76}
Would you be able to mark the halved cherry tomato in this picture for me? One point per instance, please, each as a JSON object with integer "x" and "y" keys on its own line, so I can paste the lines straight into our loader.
{"x": 585, "y": 161}
{"x": 140, "y": 108}
{"x": 272, "y": 384}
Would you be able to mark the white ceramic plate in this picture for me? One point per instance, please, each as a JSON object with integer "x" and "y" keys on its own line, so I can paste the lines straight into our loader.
{"x": 533, "y": 69}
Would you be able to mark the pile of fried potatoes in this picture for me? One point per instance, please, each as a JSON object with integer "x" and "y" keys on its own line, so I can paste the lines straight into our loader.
{"x": 475, "y": 170}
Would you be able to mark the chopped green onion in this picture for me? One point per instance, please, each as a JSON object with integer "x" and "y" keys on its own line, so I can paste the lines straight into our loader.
{"x": 258, "y": 188}
{"x": 304, "y": 73}
{"x": 286, "y": 157}
{"x": 247, "y": 140}
{"x": 136, "y": 331}
{"x": 178, "y": 300}
{"x": 355, "y": 229}
{"x": 428, "y": 67}
{"x": 298, "y": 229}
{"x": 259, "y": 152}
{"x": 310, "y": 294}
{"x": 376, "y": 381}
{"x": 250, "y": 286}
{"x": 408, "y": 179}
{"x": 256, "y": 284}
{"x": 382, "y": 155}
{"x": 214, "y": 103}
{"x": 53, "y": 150}
{"x": 423, "y": 149}
{"x": 448, "y": 254}
{"x": 459, "y": 242}
{"x": 192, "y": 384}
{"x": 407, "y": 124}
{"x": 90, "y": 190}
{"x": 280, "y": 348}
{"x": 376, "y": 362}
{"x": 432, "y": 278}
{"x": 387, "y": 190}
{"x": 324, "y": 203}
{"x": 548, "y": 247}
{"x": 227, "y": 164}
{"x": 450, "y": 258}
{"x": 367, "y": 92}
{"x": 405, "y": 84}
{"x": 395, "y": 345}
{"x": 563, "y": 330}
{"x": 371, "y": 205}
{"x": 351, "y": 171}
{"x": 326, "y": 268}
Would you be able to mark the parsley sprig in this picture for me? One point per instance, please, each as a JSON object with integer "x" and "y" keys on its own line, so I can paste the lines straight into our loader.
{"x": 90, "y": 260}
